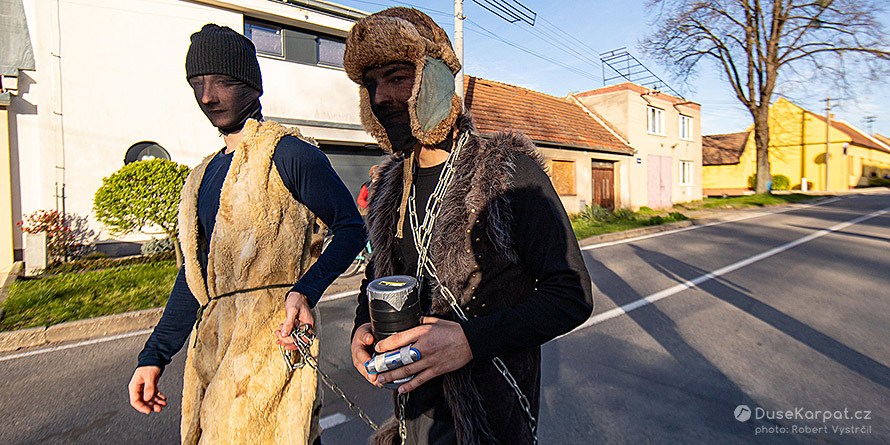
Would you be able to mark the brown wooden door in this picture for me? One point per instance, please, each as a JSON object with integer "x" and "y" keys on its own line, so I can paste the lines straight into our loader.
{"x": 602, "y": 176}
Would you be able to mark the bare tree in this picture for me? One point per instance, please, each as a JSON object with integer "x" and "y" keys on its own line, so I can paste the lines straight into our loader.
{"x": 753, "y": 41}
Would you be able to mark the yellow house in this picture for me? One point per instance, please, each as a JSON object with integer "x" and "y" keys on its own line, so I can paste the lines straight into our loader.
{"x": 797, "y": 150}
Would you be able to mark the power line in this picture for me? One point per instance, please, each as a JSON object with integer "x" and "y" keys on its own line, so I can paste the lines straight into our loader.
{"x": 529, "y": 51}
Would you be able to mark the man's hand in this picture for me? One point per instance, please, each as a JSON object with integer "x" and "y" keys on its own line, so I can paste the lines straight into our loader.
{"x": 442, "y": 345}
{"x": 361, "y": 347}
{"x": 296, "y": 313}
{"x": 143, "y": 389}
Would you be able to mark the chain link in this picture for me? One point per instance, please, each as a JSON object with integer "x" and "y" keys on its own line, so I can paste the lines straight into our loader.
{"x": 303, "y": 338}
{"x": 422, "y": 236}
{"x": 403, "y": 427}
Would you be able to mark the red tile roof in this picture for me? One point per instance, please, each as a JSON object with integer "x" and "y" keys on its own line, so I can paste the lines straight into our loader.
{"x": 723, "y": 149}
{"x": 856, "y": 135}
{"x": 497, "y": 106}
{"x": 883, "y": 139}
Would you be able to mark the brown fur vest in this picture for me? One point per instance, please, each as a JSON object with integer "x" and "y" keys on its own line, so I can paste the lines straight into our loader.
{"x": 474, "y": 223}
{"x": 235, "y": 388}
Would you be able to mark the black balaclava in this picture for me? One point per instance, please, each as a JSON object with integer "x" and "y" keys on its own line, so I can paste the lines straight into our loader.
{"x": 399, "y": 133}
{"x": 220, "y": 50}
{"x": 247, "y": 104}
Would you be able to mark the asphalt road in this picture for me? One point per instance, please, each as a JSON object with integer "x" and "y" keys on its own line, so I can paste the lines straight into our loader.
{"x": 783, "y": 317}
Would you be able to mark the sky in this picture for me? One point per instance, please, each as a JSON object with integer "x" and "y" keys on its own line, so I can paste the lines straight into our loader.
{"x": 597, "y": 26}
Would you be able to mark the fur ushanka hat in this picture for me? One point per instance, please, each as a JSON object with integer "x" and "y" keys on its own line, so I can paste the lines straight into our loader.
{"x": 407, "y": 35}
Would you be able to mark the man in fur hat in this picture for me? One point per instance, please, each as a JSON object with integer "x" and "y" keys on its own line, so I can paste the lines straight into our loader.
{"x": 247, "y": 227}
{"x": 479, "y": 223}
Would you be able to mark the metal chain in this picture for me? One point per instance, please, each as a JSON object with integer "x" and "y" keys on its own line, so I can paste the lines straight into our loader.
{"x": 303, "y": 338}
{"x": 422, "y": 236}
{"x": 403, "y": 427}
{"x": 423, "y": 233}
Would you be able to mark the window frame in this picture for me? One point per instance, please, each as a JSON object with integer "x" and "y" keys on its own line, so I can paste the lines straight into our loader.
{"x": 572, "y": 183}
{"x": 687, "y": 176}
{"x": 655, "y": 115}
{"x": 687, "y": 128}
{"x": 283, "y": 32}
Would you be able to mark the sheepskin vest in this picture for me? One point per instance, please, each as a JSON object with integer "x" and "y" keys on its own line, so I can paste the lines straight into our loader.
{"x": 471, "y": 236}
{"x": 235, "y": 388}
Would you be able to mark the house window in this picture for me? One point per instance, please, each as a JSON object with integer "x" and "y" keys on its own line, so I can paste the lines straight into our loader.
{"x": 145, "y": 151}
{"x": 563, "y": 176}
{"x": 655, "y": 120}
{"x": 686, "y": 173}
{"x": 267, "y": 40}
{"x": 295, "y": 45}
{"x": 685, "y": 127}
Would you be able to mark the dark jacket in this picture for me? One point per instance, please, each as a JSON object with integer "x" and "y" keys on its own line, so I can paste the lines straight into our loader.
{"x": 476, "y": 257}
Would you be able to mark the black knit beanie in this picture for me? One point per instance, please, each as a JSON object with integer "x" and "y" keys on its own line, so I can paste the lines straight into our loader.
{"x": 220, "y": 50}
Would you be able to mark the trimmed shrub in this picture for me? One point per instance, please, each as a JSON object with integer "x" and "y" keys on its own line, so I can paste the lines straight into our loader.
{"x": 781, "y": 182}
{"x": 878, "y": 182}
{"x": 142, "y": 196}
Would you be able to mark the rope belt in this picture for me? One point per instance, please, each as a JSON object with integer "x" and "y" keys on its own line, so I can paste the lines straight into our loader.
{"x": 230, "y": 294}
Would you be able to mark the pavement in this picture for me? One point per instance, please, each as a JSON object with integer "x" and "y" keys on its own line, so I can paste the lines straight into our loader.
{"x": 344, "y": 287}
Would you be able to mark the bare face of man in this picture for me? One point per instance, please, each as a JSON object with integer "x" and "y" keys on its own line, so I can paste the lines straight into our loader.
{"x": 226, "y": 101}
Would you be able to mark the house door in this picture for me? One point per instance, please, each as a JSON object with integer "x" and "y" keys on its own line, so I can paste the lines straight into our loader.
{"x": 602, "y": 176}
{"x": 659, "y": 177}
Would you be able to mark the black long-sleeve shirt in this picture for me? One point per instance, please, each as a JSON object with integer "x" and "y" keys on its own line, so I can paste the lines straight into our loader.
{"x": 547, "y": 250}
{"x": 310, "y": 178}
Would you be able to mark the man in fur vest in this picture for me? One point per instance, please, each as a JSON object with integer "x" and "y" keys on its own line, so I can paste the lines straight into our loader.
{"x": 479, "y": 223}
{"x": 247, "y": 227}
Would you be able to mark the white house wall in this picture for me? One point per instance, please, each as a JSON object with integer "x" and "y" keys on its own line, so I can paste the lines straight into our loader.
{"x": 112, "y": 73}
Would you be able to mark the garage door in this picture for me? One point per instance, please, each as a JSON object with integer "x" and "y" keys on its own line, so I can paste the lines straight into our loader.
{"x": 353, "y": 163}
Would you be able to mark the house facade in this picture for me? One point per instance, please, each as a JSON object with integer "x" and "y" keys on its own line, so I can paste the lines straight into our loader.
{"x": 588, "y": 161}
{"x": 797, "y": 150}
{"x": 665, "y": 131}
{"x": 108, "y": 87}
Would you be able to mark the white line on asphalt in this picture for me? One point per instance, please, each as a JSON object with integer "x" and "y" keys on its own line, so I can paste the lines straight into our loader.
{"x": 715, "y": 223}
{"x": 75, "y": 345}
{"x": 339, "y": 295}
{"x": 333, "y": 420}
{"x": 599, "y": 318}
{"x": 590, "y": 322}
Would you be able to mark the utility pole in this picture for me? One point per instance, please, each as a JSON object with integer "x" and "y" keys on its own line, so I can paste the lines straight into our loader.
{"x": 827, "y": 132}
{"x": 459, "y": 45}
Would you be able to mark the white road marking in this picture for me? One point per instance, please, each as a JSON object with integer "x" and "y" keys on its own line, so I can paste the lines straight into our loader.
{"x": 599, "y": 318}
{"x": 75, "y": 345}
{"x": 339, "y": 295}
{"x": 715, "y": 223}
{"x": 590, "y": 322}
{"x": 333, "y": 420}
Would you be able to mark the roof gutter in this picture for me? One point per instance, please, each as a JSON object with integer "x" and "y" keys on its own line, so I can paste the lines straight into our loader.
{"x": 600, "y": 149}
{"x": 327, "y": 8}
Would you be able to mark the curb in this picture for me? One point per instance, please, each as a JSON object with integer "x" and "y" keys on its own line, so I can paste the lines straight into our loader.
{"x": 146, "y": 319}
{"x": 80, "y": 330}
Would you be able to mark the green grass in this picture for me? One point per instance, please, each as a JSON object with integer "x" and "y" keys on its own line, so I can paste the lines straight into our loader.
{"x": 48, "y": 300}
{"x": 585, "y": 228}
{"x": 736, "y": 202}
{"x": 595, "y": 220}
